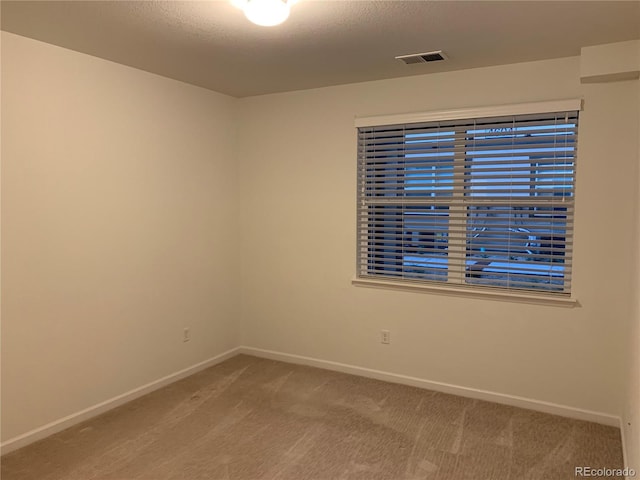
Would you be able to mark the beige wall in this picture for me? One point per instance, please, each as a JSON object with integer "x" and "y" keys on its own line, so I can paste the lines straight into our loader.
{"x": 118, "y": 230}
{"x": 297, "y": 163}
{"x": 120, "y": 202}
{"x": 631, "y": 417}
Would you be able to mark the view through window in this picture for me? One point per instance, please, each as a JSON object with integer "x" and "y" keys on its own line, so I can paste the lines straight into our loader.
{"x": 483, "y": 202}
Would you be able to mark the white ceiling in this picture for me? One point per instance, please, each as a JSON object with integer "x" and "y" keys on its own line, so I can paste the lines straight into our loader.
{"x": 211, "y": 44}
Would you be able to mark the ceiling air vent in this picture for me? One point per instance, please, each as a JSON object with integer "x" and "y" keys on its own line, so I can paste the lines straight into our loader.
{"x": 427, "y": 57}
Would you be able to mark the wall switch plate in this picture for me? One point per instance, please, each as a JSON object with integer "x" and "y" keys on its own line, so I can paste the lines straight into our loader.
{"x": 186, "y": 335}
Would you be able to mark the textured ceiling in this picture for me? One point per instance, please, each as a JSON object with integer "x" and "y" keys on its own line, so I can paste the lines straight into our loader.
{"x": 211, "y": 44}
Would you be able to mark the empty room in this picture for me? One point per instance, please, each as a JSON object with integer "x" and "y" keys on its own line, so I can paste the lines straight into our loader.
{"x": 320, "y": 240}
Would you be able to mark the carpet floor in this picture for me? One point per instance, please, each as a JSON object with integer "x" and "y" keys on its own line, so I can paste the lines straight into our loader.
{"x": 249, "y": 418}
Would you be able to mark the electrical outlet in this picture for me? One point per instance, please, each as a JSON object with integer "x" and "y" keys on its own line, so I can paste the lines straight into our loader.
{"x": 385, "y": 337}
{"x": 186, "y": 335}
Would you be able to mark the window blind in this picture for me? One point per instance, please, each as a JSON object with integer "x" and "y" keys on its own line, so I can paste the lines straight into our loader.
{"x": 482, "y": 202}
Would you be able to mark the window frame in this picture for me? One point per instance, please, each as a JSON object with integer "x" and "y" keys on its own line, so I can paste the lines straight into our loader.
{"x": 454, "y": 285}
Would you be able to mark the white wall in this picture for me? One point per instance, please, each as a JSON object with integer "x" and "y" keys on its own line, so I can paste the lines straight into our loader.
{"x": 297, "y": 163}
{"x": 119, "y": 225}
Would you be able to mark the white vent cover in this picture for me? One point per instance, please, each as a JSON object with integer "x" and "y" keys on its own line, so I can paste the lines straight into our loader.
{"x": 427, "y": 57}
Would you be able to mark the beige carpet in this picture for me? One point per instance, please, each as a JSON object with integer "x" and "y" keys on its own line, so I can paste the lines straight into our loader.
{"x": 250, "y": 418}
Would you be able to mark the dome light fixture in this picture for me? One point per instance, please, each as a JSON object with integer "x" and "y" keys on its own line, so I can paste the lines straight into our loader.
{"x": 265, "y": 13}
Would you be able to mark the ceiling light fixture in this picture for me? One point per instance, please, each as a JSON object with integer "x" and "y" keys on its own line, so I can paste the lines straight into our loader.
{"x": 265, "y": 13}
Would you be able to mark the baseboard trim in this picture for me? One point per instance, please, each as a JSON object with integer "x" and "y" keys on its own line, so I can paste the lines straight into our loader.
{"x": 522, "y": 402}
{"x": 623, "y": 435}
{"x": 75, "y": 418}
{"x": 512, "y": 400}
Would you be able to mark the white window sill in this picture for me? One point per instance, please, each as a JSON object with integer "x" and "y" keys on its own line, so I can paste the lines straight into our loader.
{"x": 471, "y": 292}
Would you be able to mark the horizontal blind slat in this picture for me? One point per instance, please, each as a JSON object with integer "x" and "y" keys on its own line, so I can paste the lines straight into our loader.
{"x": 484, "y": 202}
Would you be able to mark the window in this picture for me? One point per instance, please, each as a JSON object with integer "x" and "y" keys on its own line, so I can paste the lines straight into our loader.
{"x": 482, "y": 202}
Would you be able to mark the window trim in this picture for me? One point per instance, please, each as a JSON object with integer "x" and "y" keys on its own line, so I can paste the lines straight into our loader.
{"x": 473, "y": 291}
{"x": 469, "y": 113}
{"x": 479, "y": 292}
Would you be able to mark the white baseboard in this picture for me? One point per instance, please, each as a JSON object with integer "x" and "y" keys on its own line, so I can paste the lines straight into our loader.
{"x": 515, "y": 401}
{"x": 75, "y": 418}
{"x": 623, "y": 434}
{"x": 546, "y": 407}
